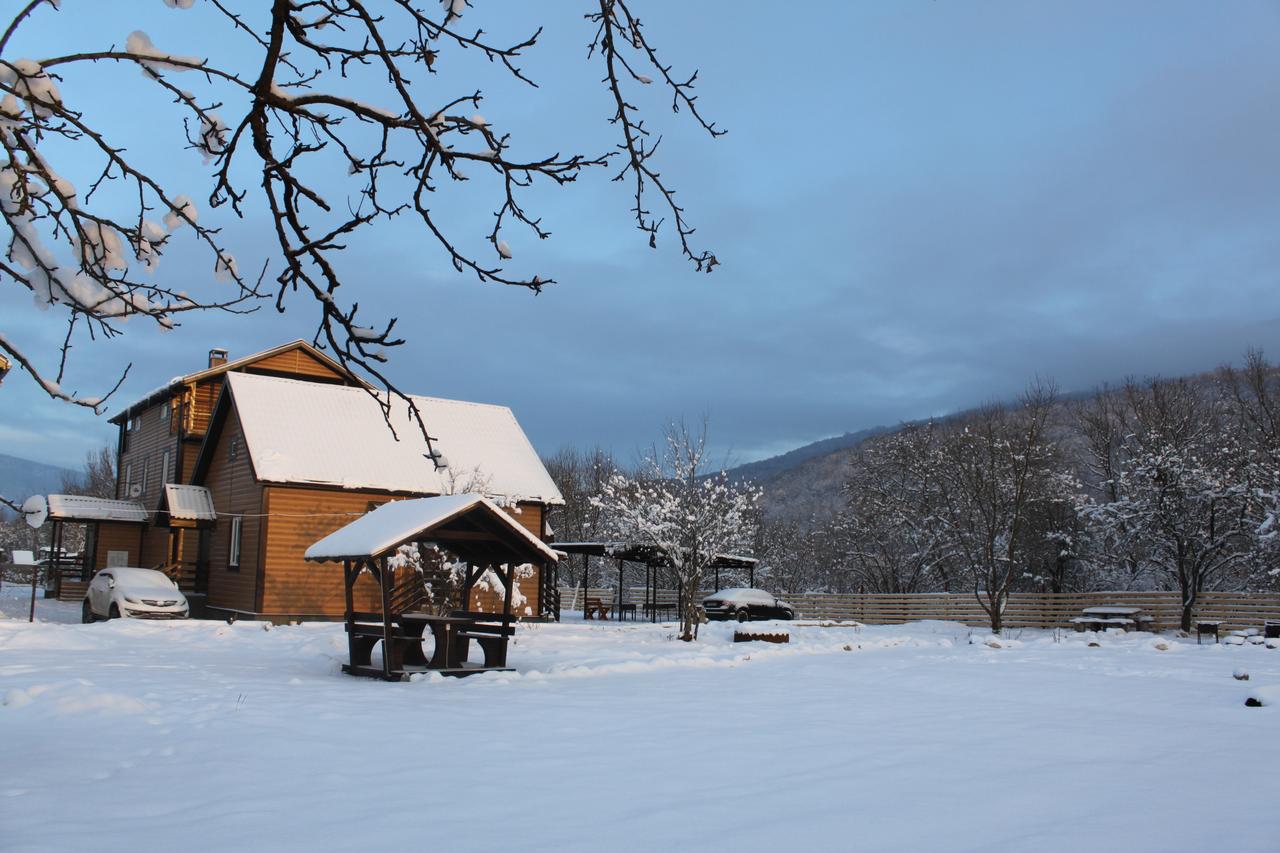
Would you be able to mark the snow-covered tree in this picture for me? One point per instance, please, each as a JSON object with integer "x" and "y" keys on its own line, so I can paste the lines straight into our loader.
{"x": 681, "y": 505}
{"x": 1254, "y": 406}
{"x": 891, "y": 534}
{"x": 1182, "y": 490}
{"x": 284, "y": 99}
{"x": 992, "y": 470}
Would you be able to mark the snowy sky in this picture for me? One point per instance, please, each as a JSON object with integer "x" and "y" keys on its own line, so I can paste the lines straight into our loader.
{"x": 919, "y": 206}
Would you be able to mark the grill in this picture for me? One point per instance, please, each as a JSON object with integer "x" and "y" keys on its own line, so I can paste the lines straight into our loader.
{"x": 155, "y": 602}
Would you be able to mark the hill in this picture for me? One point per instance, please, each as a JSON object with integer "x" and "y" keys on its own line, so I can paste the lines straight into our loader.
{"x": 20, "y": 478}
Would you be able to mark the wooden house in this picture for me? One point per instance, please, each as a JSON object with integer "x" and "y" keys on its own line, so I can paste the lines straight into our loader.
{"x": 244, "y": 464}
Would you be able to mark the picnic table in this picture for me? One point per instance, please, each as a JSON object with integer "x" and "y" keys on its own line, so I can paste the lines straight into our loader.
{"x": 1111, "y": 616}
{"x": 452, "y": 635}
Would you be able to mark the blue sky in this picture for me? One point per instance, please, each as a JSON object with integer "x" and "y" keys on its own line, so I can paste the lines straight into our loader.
{"x": 918, "y": 207}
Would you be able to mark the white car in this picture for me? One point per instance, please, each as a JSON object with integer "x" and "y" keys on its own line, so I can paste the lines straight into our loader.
{"x": 137, "y": 593}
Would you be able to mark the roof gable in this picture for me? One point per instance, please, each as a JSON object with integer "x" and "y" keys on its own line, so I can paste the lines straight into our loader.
{"x": 307, "y": 433}
{"x": 295, "y": 357}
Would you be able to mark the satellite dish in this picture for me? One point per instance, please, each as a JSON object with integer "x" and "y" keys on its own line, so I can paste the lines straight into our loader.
{"x": 135, "y": 490}
{"x": 36, "y": 510}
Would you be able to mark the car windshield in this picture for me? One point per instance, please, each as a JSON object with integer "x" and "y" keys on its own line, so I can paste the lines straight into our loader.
{"x": 142, "y": 578}
{"x": 743, "y": 594}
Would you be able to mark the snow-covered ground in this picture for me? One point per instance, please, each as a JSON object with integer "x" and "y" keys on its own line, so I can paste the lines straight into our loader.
{"x": 151, "y": 736}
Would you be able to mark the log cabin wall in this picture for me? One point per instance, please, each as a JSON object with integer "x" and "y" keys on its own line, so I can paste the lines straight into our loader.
{"x": 236, "y": 493}
{"x": 116, "y": 536}
{"x": 301, "y": 516}
{"x": 141, "y": 475}
{"x": 529, "y": 515}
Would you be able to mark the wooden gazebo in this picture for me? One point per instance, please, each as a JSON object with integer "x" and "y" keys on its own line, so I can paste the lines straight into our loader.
{"x": 470, "y": 527}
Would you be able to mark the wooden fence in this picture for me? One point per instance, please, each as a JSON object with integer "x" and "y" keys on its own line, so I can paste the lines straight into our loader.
{"x": 1024, "y": 610}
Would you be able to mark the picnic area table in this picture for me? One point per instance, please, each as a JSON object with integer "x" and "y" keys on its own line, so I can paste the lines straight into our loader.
{"x": 452, "y": 635}
{"x": 1111, "y": 616}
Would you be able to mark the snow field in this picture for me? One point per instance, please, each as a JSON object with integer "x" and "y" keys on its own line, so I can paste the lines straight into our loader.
{"x": 928, "y": 736}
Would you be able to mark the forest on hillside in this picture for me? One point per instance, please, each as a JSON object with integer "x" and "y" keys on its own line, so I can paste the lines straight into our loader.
{"x": 1152, "y": 484}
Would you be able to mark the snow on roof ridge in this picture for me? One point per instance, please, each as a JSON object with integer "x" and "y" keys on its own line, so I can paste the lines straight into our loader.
{"x": 345, "y": 441}
{"x": 381, "y": 393}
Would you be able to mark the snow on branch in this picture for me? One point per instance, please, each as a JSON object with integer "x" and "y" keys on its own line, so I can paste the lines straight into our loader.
{"x": 270, "y": 121}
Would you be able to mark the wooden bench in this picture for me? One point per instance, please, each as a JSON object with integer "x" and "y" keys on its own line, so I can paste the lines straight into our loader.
{"x": 403, "y": 648}
{"x": 492, "y": 639}
{"x": 596, "y": 605}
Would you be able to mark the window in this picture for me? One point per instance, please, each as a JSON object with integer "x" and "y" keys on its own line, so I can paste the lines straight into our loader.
{"x": 233, "y": 559}
{"x": 233, "y": 447}
{"x": 128, "y": 479}
{"x": 166, "y": 462}
{"x": 164, "y": 412}
{"x": 146, "y": 472}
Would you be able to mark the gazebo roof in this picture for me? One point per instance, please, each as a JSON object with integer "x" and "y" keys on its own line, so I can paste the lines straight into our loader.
{"x": 470, "y": 525}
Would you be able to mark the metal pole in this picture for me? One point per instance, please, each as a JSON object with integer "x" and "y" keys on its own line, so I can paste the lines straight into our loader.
{"x": 752, "y": 570}
{"x": 617, "y": 611}
{"x": 35, "y": 570}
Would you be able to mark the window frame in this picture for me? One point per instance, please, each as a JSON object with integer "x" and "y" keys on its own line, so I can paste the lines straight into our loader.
{"x": 233, "y": 546}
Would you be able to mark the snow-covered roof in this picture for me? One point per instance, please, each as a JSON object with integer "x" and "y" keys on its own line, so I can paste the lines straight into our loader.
{"x": 82, "y": 508}
{"x": 189, "y": 503}
{"x": 397, "y": 522}
{"x": 335, "y": 435}
{"x": 167, "y": 389}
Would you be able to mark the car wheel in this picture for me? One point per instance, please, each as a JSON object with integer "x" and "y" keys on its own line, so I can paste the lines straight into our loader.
{"x": 744, "y": 615}
{"x": 87, "y": 615}
{"x": 114, "y": 612}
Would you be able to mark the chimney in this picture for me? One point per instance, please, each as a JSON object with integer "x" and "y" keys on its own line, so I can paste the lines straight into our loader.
{"x": 217, "y": 357}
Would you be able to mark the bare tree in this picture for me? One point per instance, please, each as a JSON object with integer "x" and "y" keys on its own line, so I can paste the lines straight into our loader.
{"x": 580, "y": 476}
{"x": 275, "y": 120}
{"x": 98, "y": 476}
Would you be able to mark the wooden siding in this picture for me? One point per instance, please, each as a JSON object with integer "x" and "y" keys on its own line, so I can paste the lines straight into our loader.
{"x": 235, "y": 493}
{"x": 144, "y": 451}
{"x": 116, "y": 537}
{"x": 296, "y": 362}
{"x": 202, "y": 401}
{"x": 529, "y": 515}
{"x": 300, "y": 517}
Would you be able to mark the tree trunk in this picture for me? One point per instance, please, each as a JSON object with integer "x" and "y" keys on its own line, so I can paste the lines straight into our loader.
{"x": 1188, "y": 605}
